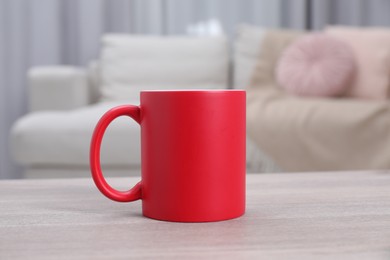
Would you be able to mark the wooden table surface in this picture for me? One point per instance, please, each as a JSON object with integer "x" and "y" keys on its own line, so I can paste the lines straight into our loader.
{"x": 343, "y": 215}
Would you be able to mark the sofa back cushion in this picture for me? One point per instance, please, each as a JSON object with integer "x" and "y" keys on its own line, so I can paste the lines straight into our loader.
{"x": 247, "y": 46}
{"x": 371, "y": 47}
{"x": 131, "y": 63}
{"x": 273, "y": 45}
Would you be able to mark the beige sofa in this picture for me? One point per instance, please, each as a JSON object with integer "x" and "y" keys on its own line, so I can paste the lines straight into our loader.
{"x": 314, "y": 134}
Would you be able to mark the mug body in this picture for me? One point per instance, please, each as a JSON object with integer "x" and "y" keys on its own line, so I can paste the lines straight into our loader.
{"x": 193, "y": 154}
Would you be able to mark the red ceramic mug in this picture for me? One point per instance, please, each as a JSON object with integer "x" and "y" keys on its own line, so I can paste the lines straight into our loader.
{"x": 192, "y": 153}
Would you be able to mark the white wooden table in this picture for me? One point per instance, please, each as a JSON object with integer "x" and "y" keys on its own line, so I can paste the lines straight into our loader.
{"x": 289, "y": 216}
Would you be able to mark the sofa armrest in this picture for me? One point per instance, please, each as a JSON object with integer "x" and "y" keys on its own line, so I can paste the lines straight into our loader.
{"x": 57, "y": 88}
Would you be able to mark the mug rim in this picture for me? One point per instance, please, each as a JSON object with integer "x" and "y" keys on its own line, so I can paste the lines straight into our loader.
{"x": 191, "y": 90}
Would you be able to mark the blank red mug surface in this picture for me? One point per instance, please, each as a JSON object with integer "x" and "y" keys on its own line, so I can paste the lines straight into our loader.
{"x": 192, "y": 153}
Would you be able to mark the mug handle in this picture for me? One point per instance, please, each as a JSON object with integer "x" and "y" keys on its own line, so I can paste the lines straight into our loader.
{"x": 94, "y": 155}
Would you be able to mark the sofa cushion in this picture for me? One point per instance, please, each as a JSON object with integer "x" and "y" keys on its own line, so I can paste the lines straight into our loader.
{"x": 63, "y": 138}
{"x": 130, "y": 64}
{"x": 314, "y": 134}
{"x": 316, "y": 65}
{"x": 247, "y": 47}
{"x": 371, "y": 48}
{"x": 273, "y": 45}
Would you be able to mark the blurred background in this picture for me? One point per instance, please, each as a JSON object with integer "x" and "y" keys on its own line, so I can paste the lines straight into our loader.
{"x": 68, "y": 32}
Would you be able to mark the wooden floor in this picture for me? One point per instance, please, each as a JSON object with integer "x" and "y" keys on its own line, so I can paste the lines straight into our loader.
{"x": 289, "y": 216}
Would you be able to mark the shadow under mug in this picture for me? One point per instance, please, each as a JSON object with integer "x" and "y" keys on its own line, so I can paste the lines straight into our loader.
{"x": 192, "y": 154}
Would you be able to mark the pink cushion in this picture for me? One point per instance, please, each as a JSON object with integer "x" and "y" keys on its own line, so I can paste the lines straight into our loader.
{"x": 372, "y": 51}
{"x": 316, "y": 65}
